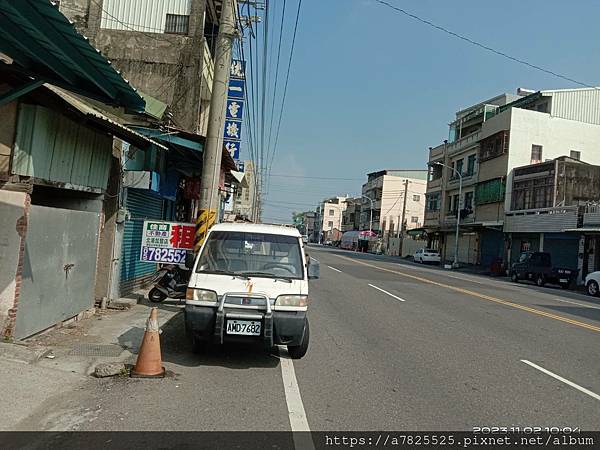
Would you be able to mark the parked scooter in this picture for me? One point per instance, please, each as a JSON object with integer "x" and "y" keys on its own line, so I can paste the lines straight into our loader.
{"x": 169, "y": 282}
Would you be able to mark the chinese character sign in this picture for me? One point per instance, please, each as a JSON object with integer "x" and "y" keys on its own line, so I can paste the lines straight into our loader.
{"x": 238, "y": 69}
{"x": 234, "y": 114}
{"x": 166, "y": 242}
{"x": 235, "y": 110}
{"x": 233, "y": 147}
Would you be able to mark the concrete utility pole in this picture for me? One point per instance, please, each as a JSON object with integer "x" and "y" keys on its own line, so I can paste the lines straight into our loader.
{"x": 455, "y": 264}
{"x": 211, "y": 168}
{"x": 403, "y": 210}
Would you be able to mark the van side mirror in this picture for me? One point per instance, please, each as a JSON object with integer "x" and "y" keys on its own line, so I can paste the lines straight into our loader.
{"x": 314, "y": 270}
{"x": 190, "y": 258}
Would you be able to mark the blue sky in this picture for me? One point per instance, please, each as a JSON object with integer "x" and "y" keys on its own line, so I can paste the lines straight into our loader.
{"x": 372, "y": 89}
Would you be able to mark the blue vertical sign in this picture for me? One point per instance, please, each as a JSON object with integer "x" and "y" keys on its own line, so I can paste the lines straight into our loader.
{"x": 234, "y": 113}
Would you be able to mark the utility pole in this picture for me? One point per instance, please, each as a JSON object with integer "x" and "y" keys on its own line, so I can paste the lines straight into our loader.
{"x": 211, "y": 167}
{"x": 403, "y": 213}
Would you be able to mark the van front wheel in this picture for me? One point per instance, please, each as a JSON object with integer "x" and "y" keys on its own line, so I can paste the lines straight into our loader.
{"x": 298, "y": 351}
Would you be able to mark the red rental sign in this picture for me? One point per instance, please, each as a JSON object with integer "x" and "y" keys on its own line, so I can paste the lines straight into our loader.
{"x": 182, "y": 236}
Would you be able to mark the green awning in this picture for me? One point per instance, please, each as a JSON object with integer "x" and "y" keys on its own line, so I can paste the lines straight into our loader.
{"x": 44, "y": 45}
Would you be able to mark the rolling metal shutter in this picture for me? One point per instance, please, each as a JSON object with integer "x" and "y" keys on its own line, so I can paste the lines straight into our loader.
{"x": 141, "y": 206}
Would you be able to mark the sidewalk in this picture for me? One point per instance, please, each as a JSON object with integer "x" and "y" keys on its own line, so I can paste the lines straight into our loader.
{"x": 55, "y": 363}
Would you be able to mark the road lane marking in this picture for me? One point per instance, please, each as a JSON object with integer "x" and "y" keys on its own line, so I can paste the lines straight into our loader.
{"x": 463, "y": 278}
{"x": 386, "y": 292}
{"x": 297, "y": 415}
{"x": 333, "y": 268}
{"x": 579, "y": 304}
{"x": 481, "y": 296}
{"x": 564, "y": 380}
{"x": 315, "y": 259}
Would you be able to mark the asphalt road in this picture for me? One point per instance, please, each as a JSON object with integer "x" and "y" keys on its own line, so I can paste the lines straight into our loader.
{"x": 393, "y": 346}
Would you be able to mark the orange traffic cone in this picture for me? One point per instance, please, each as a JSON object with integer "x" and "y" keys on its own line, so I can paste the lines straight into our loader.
{"x": 149, "y": 362}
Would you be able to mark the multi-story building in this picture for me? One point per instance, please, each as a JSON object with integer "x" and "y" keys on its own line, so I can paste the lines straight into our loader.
{"x": 547, "y": 209}
{"x": 329, "y": 217}
{"x": 309, "y": 225}
{"x": 166, "y": 50}
{"x": 244, "y": 201}
{"x": 351, "y": 215}
{"x": 487, "y": 142}
{"x": 386, "y": 190}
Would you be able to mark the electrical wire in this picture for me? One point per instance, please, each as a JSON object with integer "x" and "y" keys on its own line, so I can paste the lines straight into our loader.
{"x": 483, "y": 46}
{"x": 287, "y": 78}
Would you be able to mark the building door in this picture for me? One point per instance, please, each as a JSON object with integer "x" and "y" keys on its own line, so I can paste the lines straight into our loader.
{"x": 59, "y": 267}
{"x": 492, "y": 246}
{"x": 142, "y": 205}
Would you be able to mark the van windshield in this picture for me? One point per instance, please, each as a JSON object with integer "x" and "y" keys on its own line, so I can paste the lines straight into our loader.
{"x": 252, "y": 254}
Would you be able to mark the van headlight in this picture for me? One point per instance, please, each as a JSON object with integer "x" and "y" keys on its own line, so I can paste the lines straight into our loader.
{"x": 203, "y": 295}
{"x": 292, "y": 300}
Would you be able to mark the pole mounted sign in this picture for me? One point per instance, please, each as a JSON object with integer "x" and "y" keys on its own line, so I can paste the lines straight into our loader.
{"x": 166, "y": 242}
{"x": 234, "y": 113}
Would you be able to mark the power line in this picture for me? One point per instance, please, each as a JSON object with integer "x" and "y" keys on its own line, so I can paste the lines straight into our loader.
{"x": 314, "y": 178}
{"x": 287, "y": 78}
{"x": 483, "y": 46}
{"x": 276, "y": 80}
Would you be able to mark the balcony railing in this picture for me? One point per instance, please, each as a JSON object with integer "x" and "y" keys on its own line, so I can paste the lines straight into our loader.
{"x": 464, "y": 142}
{"x": 542, "y": 220}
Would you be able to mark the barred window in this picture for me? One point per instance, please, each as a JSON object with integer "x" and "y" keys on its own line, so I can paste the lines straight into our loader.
{"x": 177, "y": 24}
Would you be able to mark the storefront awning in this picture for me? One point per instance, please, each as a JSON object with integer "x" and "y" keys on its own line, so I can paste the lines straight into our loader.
{"x": 42, "y": 44}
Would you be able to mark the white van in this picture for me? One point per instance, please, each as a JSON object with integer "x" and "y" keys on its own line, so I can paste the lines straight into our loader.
{"x": 250, "y": 283}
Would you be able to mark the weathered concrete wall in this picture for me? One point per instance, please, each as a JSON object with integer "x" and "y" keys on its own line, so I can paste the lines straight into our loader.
{"x": 13, "y": 224}
{"x": 165, "y": 66}
{"x": 581, "y": 181}
{"x": 7, "y": 134}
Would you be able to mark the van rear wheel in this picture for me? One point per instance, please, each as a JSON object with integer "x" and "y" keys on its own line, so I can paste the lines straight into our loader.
{"x": 539, "y": 280}
{"x": 298, "y": 351}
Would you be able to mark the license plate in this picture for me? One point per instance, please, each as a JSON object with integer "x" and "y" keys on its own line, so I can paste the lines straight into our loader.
{"x": 563, "y": 280}
{"x": 245, "y": 327}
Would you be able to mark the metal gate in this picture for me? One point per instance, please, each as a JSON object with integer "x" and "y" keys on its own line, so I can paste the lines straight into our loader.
{"x": 59, "y": 267}
{"x": 141, "y": 206}
{"x": 492, "y": 246}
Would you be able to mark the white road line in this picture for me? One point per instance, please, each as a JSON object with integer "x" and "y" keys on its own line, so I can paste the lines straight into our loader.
{"x": 296, "y": 413}
{"x": 564, "y": 380}
{"x": 386, "y": 292}
{"x": 333, "y": 268}
{"x": 314, "y": 259}
{"x": 579, "y": 304}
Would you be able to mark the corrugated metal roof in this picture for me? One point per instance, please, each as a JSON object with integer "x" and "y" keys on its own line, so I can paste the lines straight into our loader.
{"x": 141, "y": 15}
{"x": 44, "y": 44}
{"x": 121, "y": 131}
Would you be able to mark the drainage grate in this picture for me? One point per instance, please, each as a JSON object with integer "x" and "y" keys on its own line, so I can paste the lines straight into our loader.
{"x": 96, "y": 350}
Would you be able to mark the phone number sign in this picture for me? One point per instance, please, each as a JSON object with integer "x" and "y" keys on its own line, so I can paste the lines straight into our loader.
{"x": 166, "y": 242}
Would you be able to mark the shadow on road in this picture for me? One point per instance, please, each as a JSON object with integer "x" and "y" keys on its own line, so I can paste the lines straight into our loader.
{"x": 176, "y": 348}
{"x": 587, "y": 313}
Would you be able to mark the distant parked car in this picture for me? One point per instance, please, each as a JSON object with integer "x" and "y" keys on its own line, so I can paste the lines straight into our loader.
{"x": 592, "y": 283}
{"x": 427, "y": 255}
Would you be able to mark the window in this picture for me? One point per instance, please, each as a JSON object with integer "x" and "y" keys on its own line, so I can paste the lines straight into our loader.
{"x": 416, "y": 198}
{"x": 177, "y": 24}
{"x": 433, "y": 202}
{"x": 494, "y": 146}
{"x": 459, "y": 167}
{"x": 414, "y": 219}
{"x": 468, "y": 200}
{"x": 330, "y": 224}
{"x": 471, "y": 165}
{"x": 536, "y": 154}
{"x": 491, "y": 191}
{"x": 575, "y": 155}
{"x": 453, "y": 204}
{"x": 435, "y": 172}
{"x": 273, "y": 255}
{"x": 332, "y": 212}
{"x": 246, "y": 194}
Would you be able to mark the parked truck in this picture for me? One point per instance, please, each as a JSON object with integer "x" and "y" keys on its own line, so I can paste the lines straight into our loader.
{"x": 537, "y": 267}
